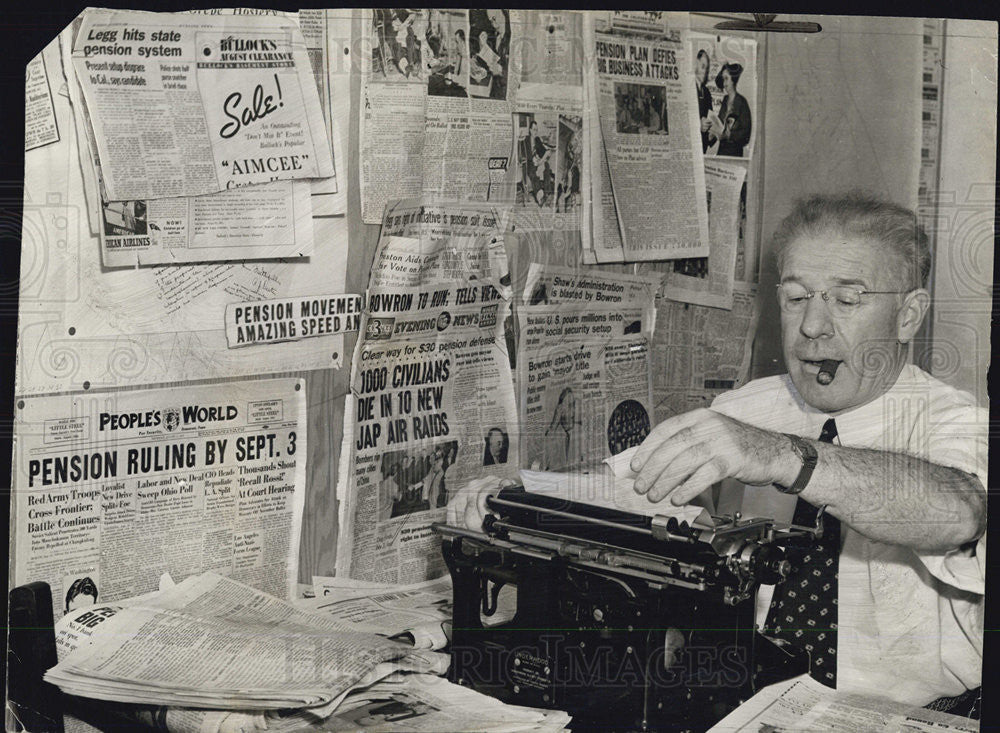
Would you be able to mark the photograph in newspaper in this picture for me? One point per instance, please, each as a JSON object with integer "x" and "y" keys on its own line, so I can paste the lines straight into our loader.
{"x": 569, "y": 164}
{"x": 431, "y": 388}
{"x": 489, "y": 53}
{"x": 649, "y": 123}
{"x": 640, "y": 109}
{"x": 725, "y": 77}
{"x": 709, "y": 280}
{"x": 226, "y": 100}
{"x": 398, "y": 43}
{"x": 549, "y": 162}
{"x": 549, "y": 169}
{"x": 537, "y": 141}
{"x": 446, "y": 53}
{"x": 165, "y": 480}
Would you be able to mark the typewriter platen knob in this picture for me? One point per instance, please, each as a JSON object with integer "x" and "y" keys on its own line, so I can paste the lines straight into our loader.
{"x": 765, "y": 563}
{"x": 774, "y": 567}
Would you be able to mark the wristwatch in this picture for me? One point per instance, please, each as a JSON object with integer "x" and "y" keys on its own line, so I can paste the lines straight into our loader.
{"x": 807, "y": 454}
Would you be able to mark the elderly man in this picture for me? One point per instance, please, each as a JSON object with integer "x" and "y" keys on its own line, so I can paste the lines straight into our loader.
{"x": 890, "y": 600}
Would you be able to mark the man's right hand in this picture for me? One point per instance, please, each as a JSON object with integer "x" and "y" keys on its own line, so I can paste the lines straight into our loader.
{"x": 705, "y": 124}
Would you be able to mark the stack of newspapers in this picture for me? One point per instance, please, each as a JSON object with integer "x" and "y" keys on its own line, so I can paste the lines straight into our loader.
{"x": 212, "y": 654}
{"x": 215, "y": 643}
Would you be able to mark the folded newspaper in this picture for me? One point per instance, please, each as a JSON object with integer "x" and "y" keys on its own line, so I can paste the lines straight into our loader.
{"x": 420, "y": 613}
{"x": 211, "y": 642}
{"x": 420, "y": 702}
{"x": 803, "y": 704}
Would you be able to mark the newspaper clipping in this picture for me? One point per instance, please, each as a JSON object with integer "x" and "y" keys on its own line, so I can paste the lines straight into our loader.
{"x": 604, "y": 243}
{"x": 433, "y": 402}
{"x": 85, "y": 325}
{"x": 427, "y": 704}
{"x": 243, "y": 223}
{"x": 291, "y": 319}
{"x": 649, "y": 124}
{"x": 702, "y": 352}
{"x": 420, "y": 612}
{"x": 260, "y": 222}
{"x": 802, "y": 703}
{"x": 583, "y": 365}
{"x": 554, "y": 285}
{"x": 432, "y": 407}
{"x": 112, "y": 490}
{"x": 327, "y": 34}
{"x": 725, "y": 78}
{"x": 437, "y": 87}
{"x": 549, "y": 138}
{"x": 709, "y": 280}
{"x": 583, "y": 382}
{"x": 40, "y": 126}
{"x": 426, "y": 241}
{"x": 184, "y": 104}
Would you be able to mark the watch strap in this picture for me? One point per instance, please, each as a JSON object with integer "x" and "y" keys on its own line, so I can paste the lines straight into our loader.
{"x": 807, "y": 454}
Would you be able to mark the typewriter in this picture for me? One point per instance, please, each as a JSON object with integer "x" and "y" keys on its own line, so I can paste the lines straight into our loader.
{"x": 628, "y": 622}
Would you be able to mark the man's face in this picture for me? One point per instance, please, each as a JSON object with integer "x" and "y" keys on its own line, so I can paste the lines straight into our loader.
{"x": 701, "y": 69}
{"x": 496, "y": 442}
{"x": 865, "y": 342}
{"x": 496, "y": 20}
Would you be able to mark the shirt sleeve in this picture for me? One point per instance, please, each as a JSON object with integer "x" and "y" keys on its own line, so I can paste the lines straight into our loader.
{"x": 956, "y": 437}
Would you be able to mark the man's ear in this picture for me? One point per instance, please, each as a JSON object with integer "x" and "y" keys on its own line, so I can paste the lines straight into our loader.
{"x": 911, "y": 315}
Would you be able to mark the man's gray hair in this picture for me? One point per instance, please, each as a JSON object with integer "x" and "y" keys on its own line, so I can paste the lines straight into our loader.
{"x": 863, "y": 216}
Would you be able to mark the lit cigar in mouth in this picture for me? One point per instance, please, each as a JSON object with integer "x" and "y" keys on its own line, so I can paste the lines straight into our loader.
{"x": 827, "y": 370}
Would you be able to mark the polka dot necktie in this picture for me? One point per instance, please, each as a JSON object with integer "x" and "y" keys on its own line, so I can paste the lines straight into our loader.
{"x": 804, "y": 609}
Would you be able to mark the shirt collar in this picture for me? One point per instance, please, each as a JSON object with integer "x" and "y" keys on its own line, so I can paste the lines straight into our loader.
{"x": 864, "y": 426}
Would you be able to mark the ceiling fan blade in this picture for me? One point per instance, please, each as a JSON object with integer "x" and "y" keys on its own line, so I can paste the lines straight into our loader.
{"x": 775, "y": 26}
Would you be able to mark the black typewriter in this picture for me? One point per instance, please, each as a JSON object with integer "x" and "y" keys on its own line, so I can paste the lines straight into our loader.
{"x": 627, "y": 622}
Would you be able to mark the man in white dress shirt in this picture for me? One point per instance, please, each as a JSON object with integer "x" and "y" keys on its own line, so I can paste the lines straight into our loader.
{"x": 904, "y": 477}
{"x": 897, "y": 458}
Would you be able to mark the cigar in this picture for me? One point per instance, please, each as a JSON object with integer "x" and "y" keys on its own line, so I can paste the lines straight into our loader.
{"x": 827, "y": 371}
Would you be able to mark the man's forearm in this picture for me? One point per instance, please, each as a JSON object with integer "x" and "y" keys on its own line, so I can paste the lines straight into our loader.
{"x": 897, "y": 498}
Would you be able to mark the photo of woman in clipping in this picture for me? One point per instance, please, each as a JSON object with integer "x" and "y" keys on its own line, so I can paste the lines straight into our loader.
{"x": 733, "y": 125}
{"x": 562, "y": 445}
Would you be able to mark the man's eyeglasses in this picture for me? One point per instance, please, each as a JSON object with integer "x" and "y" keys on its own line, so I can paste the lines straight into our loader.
{"x": 842, "y": 300}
